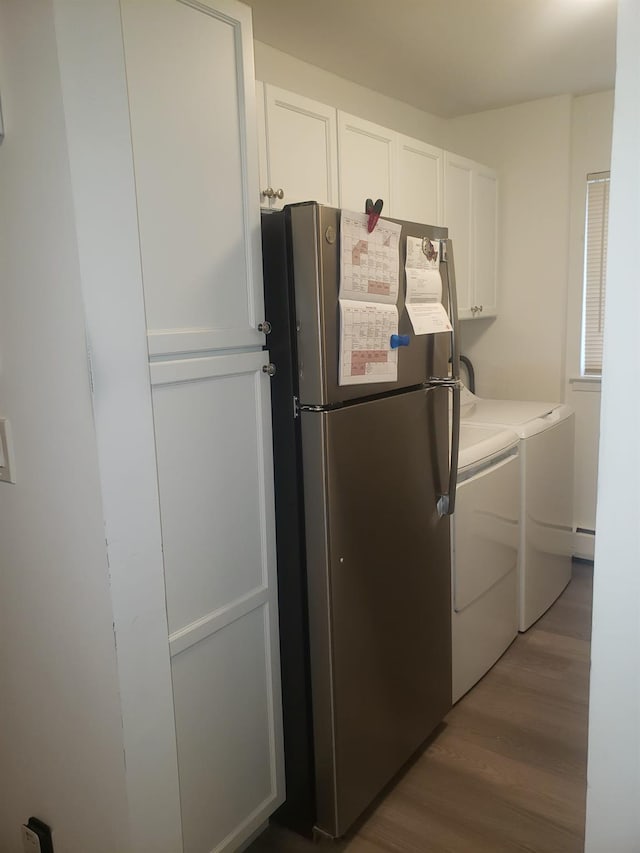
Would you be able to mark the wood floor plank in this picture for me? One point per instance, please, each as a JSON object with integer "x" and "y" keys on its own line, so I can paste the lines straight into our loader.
{"x": 482, "y": 813}
{"x": 507, "y": 771}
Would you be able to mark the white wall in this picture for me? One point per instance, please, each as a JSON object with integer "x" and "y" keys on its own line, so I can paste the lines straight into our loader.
{"x": 543, "y": 151}
{"x": 91, "y": 57}
{"x": 281, "y": 69}
{"x": 61, "y": 747}
{"x": 520, "y": 355}
{"x": 592, "y": 117}
{"x": 613, "y": 776}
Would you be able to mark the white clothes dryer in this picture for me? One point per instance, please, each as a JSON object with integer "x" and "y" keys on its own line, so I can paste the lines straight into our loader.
{"x": 484, "y": 543}
{"x": 546, "y": 433}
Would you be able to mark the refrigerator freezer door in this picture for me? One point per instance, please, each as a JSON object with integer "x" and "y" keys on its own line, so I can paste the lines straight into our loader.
{"x": 379, "y": 581}
{"x": 314, "y": 234}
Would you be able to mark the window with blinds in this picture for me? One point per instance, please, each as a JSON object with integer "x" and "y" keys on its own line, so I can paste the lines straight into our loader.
{"x": 595, "y": 272}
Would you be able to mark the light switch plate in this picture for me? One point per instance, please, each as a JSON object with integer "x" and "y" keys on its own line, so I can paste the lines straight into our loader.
{"x": 30, "y": 841}
{"x": 7, "y": 466}
{"x": 36, "y": 836}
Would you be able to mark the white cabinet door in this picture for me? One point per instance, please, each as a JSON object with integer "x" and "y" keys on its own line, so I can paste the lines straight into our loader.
{"x": 419, "y": 176}
{"x": 366, "y": 155}
{"x": 192, "y": 97}
{"x": 302, "y": 149}
{"x": 191, "y": 90}
{"x": 471, "y": 214}
{"x": 213, "y": 439}
{"x": 458, "y": 218}
{"x": 485, "y": 193}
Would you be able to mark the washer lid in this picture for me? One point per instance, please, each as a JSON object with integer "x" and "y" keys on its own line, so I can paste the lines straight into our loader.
{"x": 518, "y": 415}
{"x": 478, "y": 443}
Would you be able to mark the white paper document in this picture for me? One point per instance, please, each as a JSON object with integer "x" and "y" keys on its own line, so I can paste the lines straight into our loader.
{"x": 369, "y": 287}
{"x": 428, "y": 318}
{"x": 423, "y": 286}
{"x": 423, "y": 299}
{"x": 365, "y": 350}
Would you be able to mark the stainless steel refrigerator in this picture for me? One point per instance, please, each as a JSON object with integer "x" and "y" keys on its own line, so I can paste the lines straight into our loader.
{"x": 365, "y": 480}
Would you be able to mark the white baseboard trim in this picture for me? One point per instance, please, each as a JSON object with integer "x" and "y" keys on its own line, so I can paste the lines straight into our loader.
{"x": 262, "y": 828}
{"x": 584, "y": 543}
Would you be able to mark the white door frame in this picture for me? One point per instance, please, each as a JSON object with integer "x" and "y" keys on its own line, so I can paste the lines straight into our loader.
{"x": 613, "y": 776}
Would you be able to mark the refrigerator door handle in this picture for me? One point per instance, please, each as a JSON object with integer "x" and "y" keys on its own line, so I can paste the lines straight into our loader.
{"x": 446, "y": 255}
{"x": 447, "y": 501}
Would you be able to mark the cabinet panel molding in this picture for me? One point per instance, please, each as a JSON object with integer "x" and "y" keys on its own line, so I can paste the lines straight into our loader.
{"x": 302, "y": 149}
{"x": 228, "y": 756}
{"x": 486, "y": 239}
{"x": 471, "y": 214}
{"x": 191, "y": 87}
{"x": 366, "y": 153}
{"x": 261, "y": 117}
{"x": 212, "y": 421}
{"x": 420, "y": 175}
{"x": 458, "y": 216}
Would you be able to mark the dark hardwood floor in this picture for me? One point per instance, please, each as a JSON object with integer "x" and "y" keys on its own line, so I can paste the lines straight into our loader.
{"x": 507, "y": 772}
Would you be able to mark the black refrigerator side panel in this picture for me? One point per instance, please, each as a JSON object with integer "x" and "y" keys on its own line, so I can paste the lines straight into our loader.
{"x": 298, "y": 811}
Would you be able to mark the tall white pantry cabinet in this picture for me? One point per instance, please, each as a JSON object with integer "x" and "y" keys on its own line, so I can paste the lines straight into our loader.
{"x": 160, "y": 109}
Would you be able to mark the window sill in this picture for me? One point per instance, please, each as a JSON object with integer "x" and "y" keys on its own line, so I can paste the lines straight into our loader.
{"x": 585, "y": 383}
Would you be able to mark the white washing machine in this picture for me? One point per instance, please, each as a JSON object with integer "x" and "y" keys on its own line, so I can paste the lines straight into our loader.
{"x": 484, "y": 541}
{"x": 546, "y": 433}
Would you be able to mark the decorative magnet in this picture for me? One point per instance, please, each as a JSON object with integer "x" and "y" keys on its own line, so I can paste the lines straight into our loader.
{"x": 373, "y": 211}
{"x": 399, "y": 341}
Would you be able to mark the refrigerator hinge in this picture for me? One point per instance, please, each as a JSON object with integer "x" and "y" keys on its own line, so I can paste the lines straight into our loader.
{"x": 443, "y": 251}
{"x": 444, "y": 382}
{"x": 305, "y": 408}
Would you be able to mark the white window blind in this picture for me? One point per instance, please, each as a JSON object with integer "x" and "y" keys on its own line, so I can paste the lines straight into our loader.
{"x": 595, "y": 272}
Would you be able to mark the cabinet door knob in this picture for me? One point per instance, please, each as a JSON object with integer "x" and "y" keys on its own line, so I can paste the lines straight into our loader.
{"x": 271, "y": 193}
{"x": 264, "y": 327}
{"x": 269, "y": 369}
{"x": 480, "y": 309}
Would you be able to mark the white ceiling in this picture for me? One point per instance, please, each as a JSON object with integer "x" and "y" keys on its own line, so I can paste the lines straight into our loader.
{"x": 450, "y": 57}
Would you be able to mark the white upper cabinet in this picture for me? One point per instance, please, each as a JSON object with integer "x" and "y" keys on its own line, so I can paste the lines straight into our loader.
{"x": 486, "y": 240}
{"x": 192, "y": 97}
{"x": 418, "y": 194}
{"x": 300, "y": 150}
{"x": 458, "y": 218}
{"x": 367, "y": 163}
{"x": 471, "y": 215}
{"x": 299, "y": 161}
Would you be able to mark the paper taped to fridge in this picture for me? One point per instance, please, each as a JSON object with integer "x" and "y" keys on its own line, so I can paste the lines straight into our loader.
{"x": 365, "y": 349}
{"x": 369, "y": 287}
{"x": 423, "y": 298}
